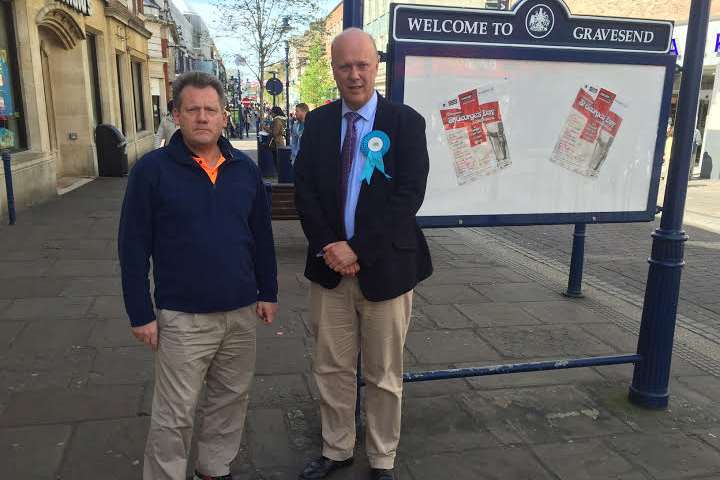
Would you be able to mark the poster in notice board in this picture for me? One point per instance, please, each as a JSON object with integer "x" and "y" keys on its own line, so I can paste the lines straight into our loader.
{"x": 536, "y": 137}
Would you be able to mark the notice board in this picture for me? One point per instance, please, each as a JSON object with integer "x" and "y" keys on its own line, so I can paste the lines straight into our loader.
{"x": 534, "y": 116}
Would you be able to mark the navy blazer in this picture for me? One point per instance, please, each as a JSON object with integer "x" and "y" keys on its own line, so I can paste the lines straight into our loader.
{"x": 392, "y": 250}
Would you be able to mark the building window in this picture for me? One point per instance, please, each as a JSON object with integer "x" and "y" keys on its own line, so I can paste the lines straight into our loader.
{"x": 138, "y": 97}
{"x": 12, "y": 124}
{"x": 118, "y": 64}
{"x": 94, "y": 78}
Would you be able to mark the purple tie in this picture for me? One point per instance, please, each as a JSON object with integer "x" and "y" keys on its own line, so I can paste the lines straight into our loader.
{"x": 346, "y": 156}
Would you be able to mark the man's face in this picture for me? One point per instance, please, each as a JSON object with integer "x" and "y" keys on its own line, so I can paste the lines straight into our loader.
{"x": 355, "y": 66}
{"x": 300, "y": 115}
{"x": 201, "y": 117}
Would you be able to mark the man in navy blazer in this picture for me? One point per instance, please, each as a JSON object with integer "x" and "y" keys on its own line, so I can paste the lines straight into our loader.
{"x": 366, "y": 252}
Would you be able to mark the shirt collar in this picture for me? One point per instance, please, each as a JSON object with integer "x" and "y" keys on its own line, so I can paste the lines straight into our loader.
{"x": 366, "y": 111}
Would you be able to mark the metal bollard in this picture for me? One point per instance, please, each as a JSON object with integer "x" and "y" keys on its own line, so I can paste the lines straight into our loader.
{"x": 577, "y": 261}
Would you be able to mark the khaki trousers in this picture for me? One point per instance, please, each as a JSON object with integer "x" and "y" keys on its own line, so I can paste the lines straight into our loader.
{"x": 215, "y": 348}
{"x": 345, "y": 322}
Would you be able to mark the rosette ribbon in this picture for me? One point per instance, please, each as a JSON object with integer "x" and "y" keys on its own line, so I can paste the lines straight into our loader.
{"x": 374, "y": 146}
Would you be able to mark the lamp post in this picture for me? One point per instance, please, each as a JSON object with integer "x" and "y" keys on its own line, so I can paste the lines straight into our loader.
{"x": 287, "y": 90}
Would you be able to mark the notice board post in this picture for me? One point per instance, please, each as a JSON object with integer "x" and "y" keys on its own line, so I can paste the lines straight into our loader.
{"x": 651, "y": 376}
{"x": 537, "y": 116}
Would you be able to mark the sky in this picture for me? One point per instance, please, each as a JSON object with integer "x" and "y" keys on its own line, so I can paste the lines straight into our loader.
{"x": 229, "y": 47}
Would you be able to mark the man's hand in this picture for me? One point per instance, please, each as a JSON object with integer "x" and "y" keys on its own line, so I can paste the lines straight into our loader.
{"x": 147, "y": 334}
{"x": 350, "y": 271}
{"x": 266, "y": 311}
{"x": 339, "y": 255}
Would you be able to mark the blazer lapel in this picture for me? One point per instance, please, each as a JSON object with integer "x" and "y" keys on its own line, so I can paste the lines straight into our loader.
{"x": 383, "y": 122}
{"x": 333, "y": 146}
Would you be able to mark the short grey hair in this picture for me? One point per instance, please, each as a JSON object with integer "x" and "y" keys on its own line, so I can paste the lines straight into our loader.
{"x": 351, "y": 31}
{"x": 197, "y": 80}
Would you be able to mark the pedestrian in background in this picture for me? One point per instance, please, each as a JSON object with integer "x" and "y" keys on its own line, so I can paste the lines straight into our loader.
{"x": 298, "y": 126}
{"x": 207, "y": 231}
{"x": 166, "y": 129}
{"x": 366, "y": 253}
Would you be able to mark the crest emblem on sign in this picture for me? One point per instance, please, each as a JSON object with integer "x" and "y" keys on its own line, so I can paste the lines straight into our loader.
{"x": 540, "y": 21}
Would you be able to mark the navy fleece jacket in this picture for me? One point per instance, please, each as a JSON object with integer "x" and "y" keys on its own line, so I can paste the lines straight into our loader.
{"x": 211, "y": 245}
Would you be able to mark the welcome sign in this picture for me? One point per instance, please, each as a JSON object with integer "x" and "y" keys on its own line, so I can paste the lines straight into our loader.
{"x": 530, "y": 23}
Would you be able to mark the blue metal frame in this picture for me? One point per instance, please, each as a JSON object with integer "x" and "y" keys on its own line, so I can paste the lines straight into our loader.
{"x": 399, "y": 51}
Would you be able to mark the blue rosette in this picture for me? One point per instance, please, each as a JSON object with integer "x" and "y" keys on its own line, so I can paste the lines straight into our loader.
{"x": 374, "y": 146}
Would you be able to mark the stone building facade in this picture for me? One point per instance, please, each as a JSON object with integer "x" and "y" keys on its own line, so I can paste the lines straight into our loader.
{"x": 73, "y": 64}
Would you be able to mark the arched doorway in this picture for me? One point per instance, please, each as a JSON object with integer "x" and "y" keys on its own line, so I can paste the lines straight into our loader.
{"x": 65, "y": 85}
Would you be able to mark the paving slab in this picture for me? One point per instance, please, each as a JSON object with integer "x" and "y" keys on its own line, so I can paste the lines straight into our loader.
{"x": 420, "y": 321}
{"x": 8, "y": 332}
{"x": 20, "y": 269}
{"x": 706, "y": 385}
{"x": 268, "y": 439}
{"x": 92, "y": 287}
{"x": 447, "y": 294}
{"x": 475, "y": 275}
{"x": 84, "y": 268}
{"x": 49, "y": 308}
{"x": 287, "y": 324}
{"x": 546, "y": 414}
{"x": 113, "y": 448}
{"x": 449, "y": 346}
{"x": 113, "y": 332}
{"x": 671, "y": 456}
{"x": 449, "y": 429}
{"x": 562, "y": 311}
{"x": 506, "y": 463}
{"x": 618, "y": 339}
{"x": 40, "y": 336}
{"x": 587, "y": 460}
{"x": 34, "y": 452}
{"x": 517, "y": 292}
{"x": 108, "y": 306}
{"x": 31, "y": 287}
{"x": 560, "y": 341}
{"x": 122, "y": 366}
{"x": 497, "y": 314}
{"x": 686, "y": 411}
{"x": 277, "y": 390}
{"x": 45, "y": 369}
{"x": 281, "y": 356}
{"x": 446, "y": 316}
{"x": 62, "y": 406}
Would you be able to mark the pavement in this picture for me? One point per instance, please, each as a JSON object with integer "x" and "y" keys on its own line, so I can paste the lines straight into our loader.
{"x": 75, "y": 386}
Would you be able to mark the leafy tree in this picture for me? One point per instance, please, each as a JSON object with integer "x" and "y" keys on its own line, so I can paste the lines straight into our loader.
{"x": 316, "y": 81}
{"x": 260, "y": 27}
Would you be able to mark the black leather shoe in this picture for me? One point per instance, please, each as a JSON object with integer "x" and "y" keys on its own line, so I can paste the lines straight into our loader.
{"x": 322, "y": 467}
{"x": 381, "y": 474}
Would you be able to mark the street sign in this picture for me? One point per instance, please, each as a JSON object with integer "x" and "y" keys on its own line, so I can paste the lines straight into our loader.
{"x": 274, "y": 86}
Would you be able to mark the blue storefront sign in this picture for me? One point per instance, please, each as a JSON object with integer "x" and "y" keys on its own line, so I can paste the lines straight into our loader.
{"x": 530, "y": 24}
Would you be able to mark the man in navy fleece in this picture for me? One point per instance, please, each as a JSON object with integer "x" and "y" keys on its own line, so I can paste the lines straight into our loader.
{"x": 197, "y": 208}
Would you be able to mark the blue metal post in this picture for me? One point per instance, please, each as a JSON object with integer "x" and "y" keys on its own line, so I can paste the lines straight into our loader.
{"x": 8, "y": 185}
{"x": 353, "y": 13}
{"x": 650, "y": 380}
{"x": 577, "y": 260}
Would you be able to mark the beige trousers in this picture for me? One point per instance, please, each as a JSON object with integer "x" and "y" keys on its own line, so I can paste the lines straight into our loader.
{"x": 215, "y": 348}
{"x": 343, "y": 322}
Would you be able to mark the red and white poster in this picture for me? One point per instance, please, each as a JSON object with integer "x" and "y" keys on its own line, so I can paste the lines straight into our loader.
{"x": 475, "y": 134}
{"x": 591, "y": 126}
